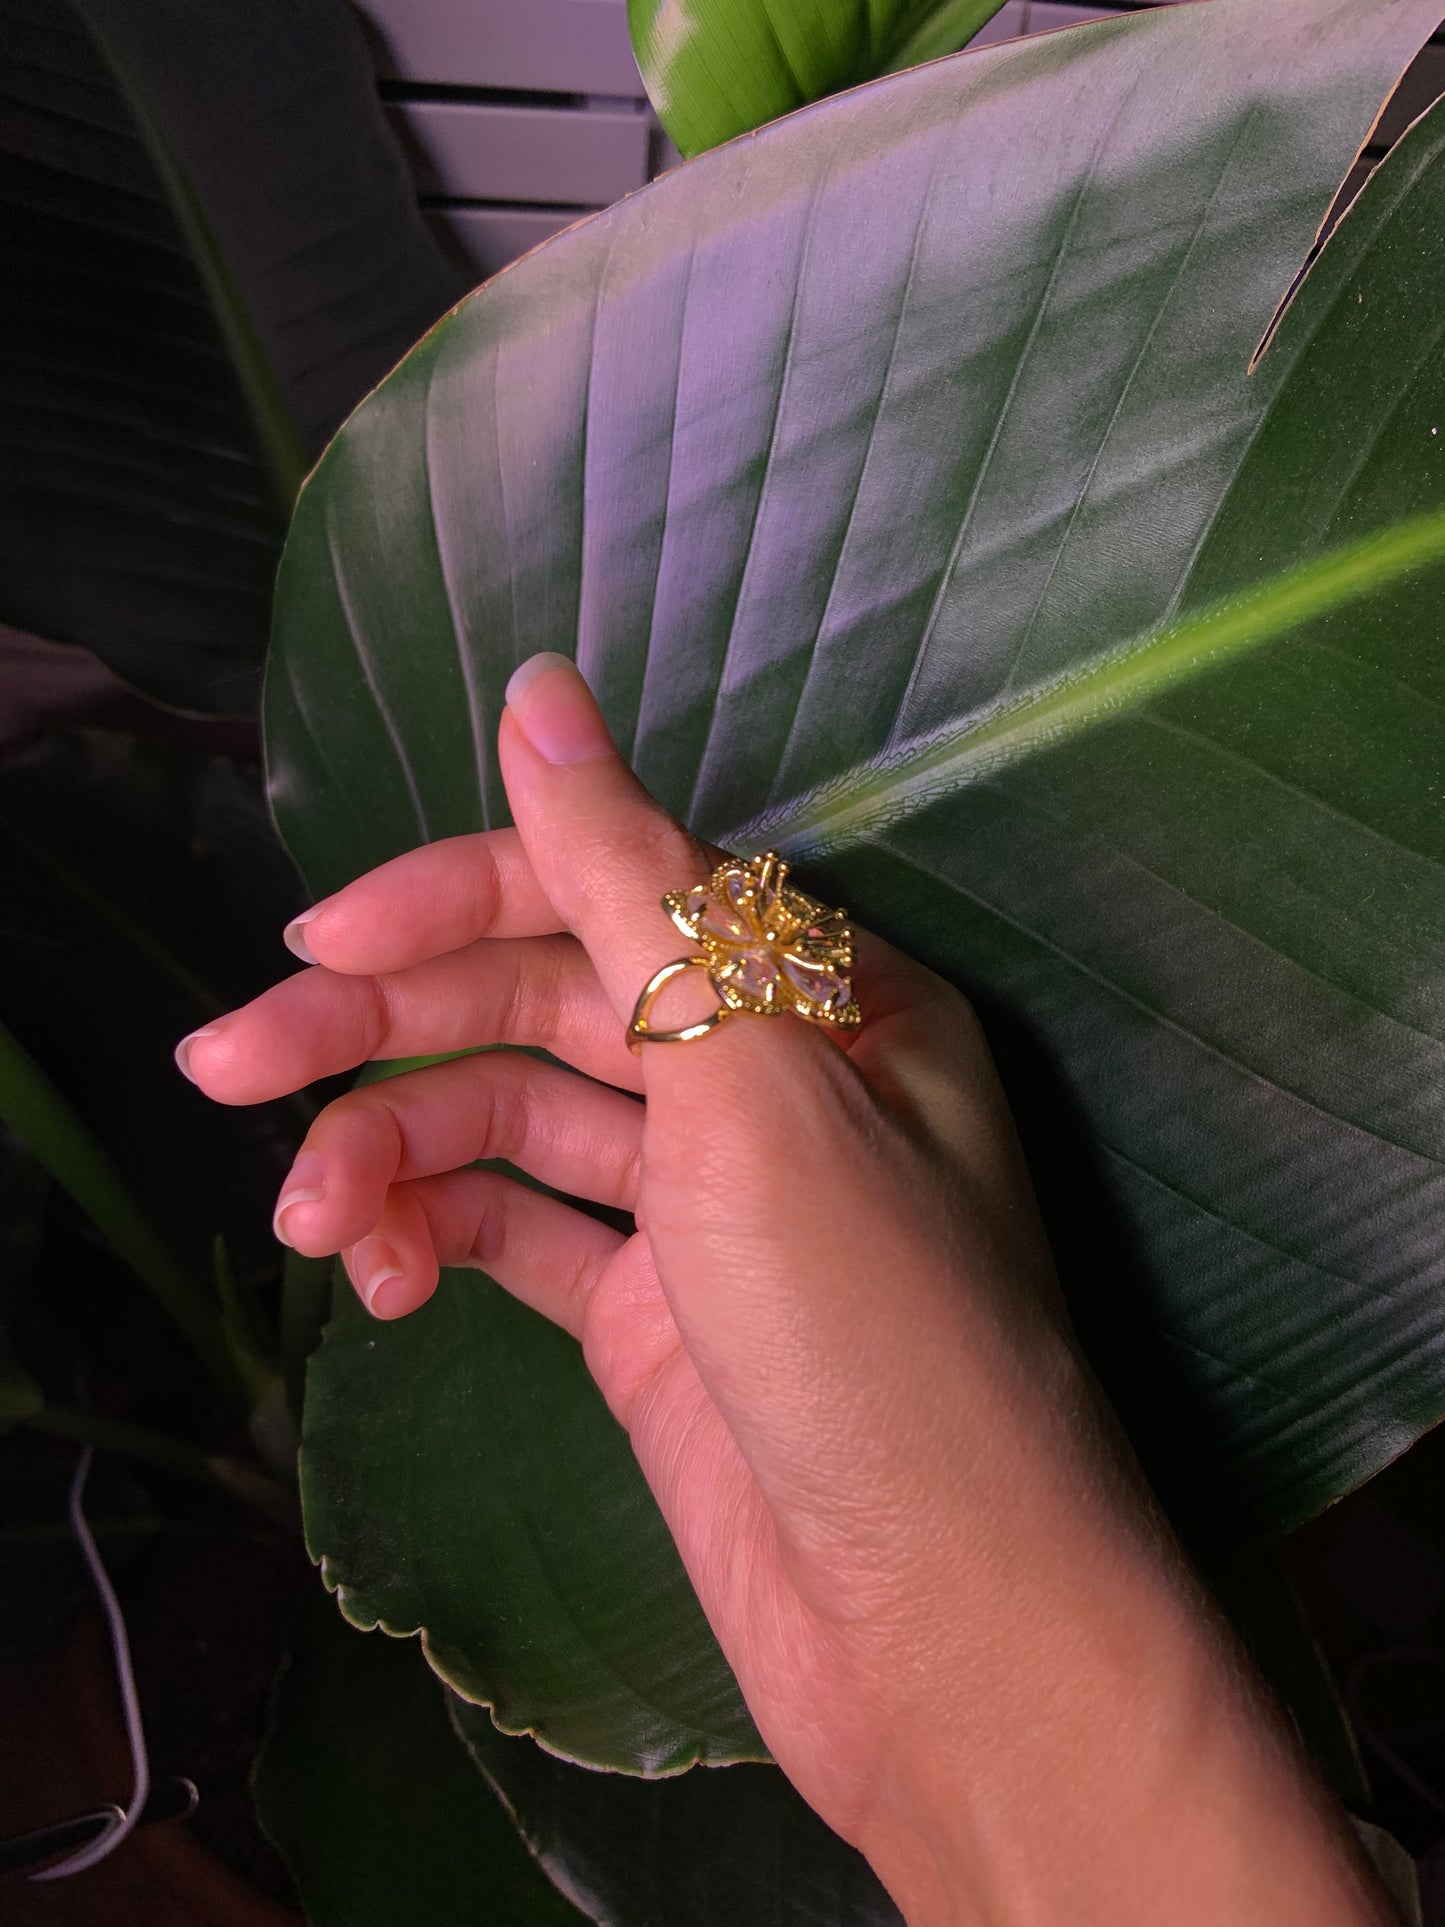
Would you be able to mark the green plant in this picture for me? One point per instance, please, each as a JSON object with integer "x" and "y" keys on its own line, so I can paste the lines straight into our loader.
{"x": 970, "y": 547}
{"x": 716, "y": 68}
{"x": 210, "y": 252}
{"x": 167, "y": 377}
{"x": 906, "y": 481}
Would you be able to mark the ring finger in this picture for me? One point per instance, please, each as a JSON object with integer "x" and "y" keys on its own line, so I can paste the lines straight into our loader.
{"x": 580, "y": 1137}
{"x": 544, "y": 1252}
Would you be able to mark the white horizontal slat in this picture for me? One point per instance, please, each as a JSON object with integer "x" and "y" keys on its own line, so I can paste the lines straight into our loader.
{"x": 550, "y": 46}
{"x": 487, "y": 238}
{"x": 522, "y": 153}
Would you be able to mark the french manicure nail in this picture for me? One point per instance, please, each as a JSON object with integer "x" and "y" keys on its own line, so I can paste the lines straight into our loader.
{"x": 375, "y": 1268}
{"x": 389, "y": 1296}
{"x": 305, "y": 1184}
{"x": 555, "y": 710}
{"x": 293, "y": 936}
{"x": 183, "y": 1049}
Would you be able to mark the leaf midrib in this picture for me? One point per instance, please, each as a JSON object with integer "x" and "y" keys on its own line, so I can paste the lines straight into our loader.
{"x": 879, "y": 793}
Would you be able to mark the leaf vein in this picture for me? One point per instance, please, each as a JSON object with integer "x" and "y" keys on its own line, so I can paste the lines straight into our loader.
{"x": 779, "y": 400}
{"x": 1152, "y": 1011}
{"x": 1016, "y": 655}
{"x": 364, "y": 663}
{"x": 955, "y": 554}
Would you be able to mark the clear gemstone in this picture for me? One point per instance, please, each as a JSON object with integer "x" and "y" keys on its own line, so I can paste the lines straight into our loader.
{"x": 725, "y": 924}
{"x": 753, "y": 973}
{"x": 818, "y": 981}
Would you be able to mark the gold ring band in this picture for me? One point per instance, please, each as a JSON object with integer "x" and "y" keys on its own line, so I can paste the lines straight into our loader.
{"x": 767, "y": 948}
{"x": 639, "y": 1031}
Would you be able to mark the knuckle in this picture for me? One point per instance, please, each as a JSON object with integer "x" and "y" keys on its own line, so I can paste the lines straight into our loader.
{"x": 378, "y": 999}
{"x": 485, "y": 885}
{"x": 382, "y": 1113}
{"x": 514, "y": 1024}
{"x": 359, "y": 1123}
{"x": 629, "y": 1176}
{"x": 668, "y": 851}
{"x": 638, "y": 1388}
{"x": 657, "y": 854}
{"x": 506, "y": 1126}
{"x": 578, "y": 1295}
{"x": 531, "y": 1012}
{"x": 489, "y": 1230}
{"x": 629, "y": 1339}
{"x": 964, "y": 1027}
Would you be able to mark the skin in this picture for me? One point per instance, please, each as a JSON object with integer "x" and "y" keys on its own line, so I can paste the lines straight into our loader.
{"x": 835, "y": 1340}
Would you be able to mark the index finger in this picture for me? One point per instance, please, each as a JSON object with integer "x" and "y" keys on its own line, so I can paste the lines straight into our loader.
{"x": 439, "y": 898}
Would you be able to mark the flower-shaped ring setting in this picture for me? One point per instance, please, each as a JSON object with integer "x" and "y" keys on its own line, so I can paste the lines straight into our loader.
{"x": 766, "y": 947}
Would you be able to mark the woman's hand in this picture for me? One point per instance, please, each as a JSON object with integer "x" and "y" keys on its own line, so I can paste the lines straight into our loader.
{"x": 835, "y": 1340}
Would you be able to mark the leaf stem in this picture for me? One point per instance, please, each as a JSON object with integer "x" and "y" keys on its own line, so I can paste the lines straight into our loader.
{"x": 170, "y": 1454}
{"x": 276, "y": 432}
{"x": 60, "y": 1141}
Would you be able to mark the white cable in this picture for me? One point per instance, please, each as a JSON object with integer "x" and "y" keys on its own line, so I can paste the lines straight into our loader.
{"x": 125, "y": 1679}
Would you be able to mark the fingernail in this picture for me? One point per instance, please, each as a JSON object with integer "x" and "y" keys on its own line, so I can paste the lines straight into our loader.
{"x": 379, "y": 1277}
{"x": 305, "y": 1184}
{"x": 390, "y": 1297}
{"x": 293, "y": 938}
{"x": 183, "y": 1049}
{"x": 555, "y": 710}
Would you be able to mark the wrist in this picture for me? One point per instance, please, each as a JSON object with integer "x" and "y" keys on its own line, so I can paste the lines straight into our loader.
{"x": 1128, "y": 1769}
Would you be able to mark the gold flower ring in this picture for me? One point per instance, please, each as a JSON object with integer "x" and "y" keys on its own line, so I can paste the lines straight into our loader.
{"x": 765, "y": 946}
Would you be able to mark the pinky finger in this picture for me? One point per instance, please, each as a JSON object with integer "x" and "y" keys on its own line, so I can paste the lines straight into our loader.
{"x": 544, "y": 1252}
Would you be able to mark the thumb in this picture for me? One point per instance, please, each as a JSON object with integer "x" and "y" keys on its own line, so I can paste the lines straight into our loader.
{"x": 606, "y": 854}
{"x": 603, "y": 850}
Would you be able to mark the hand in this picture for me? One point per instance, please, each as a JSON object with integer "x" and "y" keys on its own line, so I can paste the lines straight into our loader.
{"x": 835, "y": 1340}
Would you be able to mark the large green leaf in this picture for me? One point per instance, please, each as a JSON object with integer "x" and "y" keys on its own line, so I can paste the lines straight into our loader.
{"x": 712, "y": 1848}
{"x": 502, "y": 1513}
{"x": 716, "y": 68}
{"x": 368, "y": 1794}
{"x": 850, "y": 440}
{"x": 1265, "y": 942}
{"x": 207, "y": 238}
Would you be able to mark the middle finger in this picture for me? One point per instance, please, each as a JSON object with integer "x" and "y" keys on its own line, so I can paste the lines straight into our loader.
{"x": 538, "y": 991}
